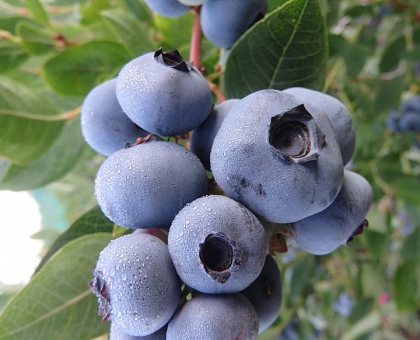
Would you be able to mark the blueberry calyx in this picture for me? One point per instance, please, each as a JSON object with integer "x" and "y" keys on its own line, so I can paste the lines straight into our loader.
{"x": 219, "y": 256}
{"x": 173, "y": 59}
{"x": 142, "y": 140}
{"x": 296, "y": 136}
{"x": 99, "y": 288}
{"x": 359, "y": 230}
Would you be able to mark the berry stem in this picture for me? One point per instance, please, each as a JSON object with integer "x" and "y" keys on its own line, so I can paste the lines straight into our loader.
{"x": 195, "y": 51}
{"x": 219, "y": 94}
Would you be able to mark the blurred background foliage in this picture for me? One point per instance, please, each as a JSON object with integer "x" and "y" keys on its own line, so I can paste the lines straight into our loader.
{"x": 52, "y": 52}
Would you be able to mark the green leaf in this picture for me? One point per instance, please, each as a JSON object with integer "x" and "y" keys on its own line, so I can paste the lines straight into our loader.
{"x": 11, "y": 55}
{"x": 57, "y": 303}
{"x": 139, "y": 9}
{"x": 392, "y": 55}
{"x": 94, "y": 221}
{"x": 38, "y": 11}
{"x": 372, "y": 279}
{"x": 388, "y": 96}
{"x": 287, "y": 48}
{"x": 369, "y": 323}
{"x": 129, "y": 32}
{"x": 53, "y": 164}
{"x": 378, "y": 243}
{"x": 405, "y": 285}
{"x": 28, "y": 122}
{"x": 303, "y": 270}
{"x": 176, "y": 32}
{"x": 78, "y": 69}
{"x": 411, "y": 246}
{"x": 35, "y": 39}
{"x": 355, "y": 56}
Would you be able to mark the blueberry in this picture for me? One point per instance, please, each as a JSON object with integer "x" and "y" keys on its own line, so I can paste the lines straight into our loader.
{"x": 392, "y": 122}
{"x": 163, "y": 93}
{"x": 117, "y": 334}
{"x": 146, "y": 185}
{"x": 337, "y": 113}
{"x": 217, "y": 245}
{"x": 273, "y": 156}
{"x": 167, "y": 8}
{"x": 413, "y": 104}
{"x": 223, "y": 22}
{"x": 409, "y": 121}
{"x": 136, "y": 284}
{"x": 203, "y": 136}
{"x": 215, "y": 317}
{"x": 265, "y": 293}
{"x": 324, "y": 232}
{"x": 105, "y": 127}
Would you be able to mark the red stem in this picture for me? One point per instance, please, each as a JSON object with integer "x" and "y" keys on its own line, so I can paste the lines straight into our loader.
{"x": 195, "y": 51}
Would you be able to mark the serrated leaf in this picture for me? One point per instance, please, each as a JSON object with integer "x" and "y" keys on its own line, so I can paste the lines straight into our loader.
{"x": 11, "y": 55}
{"x": 53, "y": 164}
{"x": 28, "y": 122}
{"x": 57, "y": 303}
{"x": 35, "y": 39}
{"x": 76, "y": 70}
{"x": 287, "y": 48}
{"x": 38, "y": 11}
{"x": 94, "y": 221}
{"x": 129, "y": 32}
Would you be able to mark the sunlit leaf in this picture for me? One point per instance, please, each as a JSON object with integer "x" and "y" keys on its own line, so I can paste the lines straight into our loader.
{"x": 287, "y": 48}
{"x": 57, "y": 303}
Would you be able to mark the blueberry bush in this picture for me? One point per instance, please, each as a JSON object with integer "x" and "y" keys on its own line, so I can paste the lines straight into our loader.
{"x": 229, "y": 169}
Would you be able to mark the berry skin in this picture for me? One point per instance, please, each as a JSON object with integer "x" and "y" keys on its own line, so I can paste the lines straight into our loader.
{"x": 324, "y": 232}
{"x": 223, "y": 22}
{"x": 192, "y": 2}
{"x": 105, "y": 127}
{"x": 265, "y": 293}
{"x": 217, "y": 245}
{"x": 146, "y": 185}
{"x": 337, "y": 113}
{"x": 203, "y": 136}
{"x": 409, "y": 121}
{"x": 117, "y": 334}
{"x": 164, "y": 94}
{"x": 167, "y": 8}
{"x": 136, "y": 284}
{"x": 274, "y": 157}
{"x": 413, "y": 104}
{"x": 215, "y": 317}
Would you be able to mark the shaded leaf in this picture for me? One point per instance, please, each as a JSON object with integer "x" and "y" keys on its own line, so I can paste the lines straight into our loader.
{"x": 94, "y": 221}
{"x": 405, "y": 284}
{"x": 11, "y": 55}
{"x": 303, "y": 270}
{"x": 129, "y": 32}
{"x": 34, "y": 39}
{"x": 176, "y": 32}
{"x": 411, "y": 246}
{"x": 355, "y": 56}
{"x": 53, "y": 164}
{"x": 27, "y": 121}
{"x": 57, "y": 303}
{"x": 76, "y": 70}
{"x": 392, "y": 55}
{"x": 287, "y": 48}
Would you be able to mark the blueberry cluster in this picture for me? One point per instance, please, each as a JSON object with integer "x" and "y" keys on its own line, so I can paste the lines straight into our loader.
{"x": 408, "y": 120}
{"x": 222, "y": 22}
{"x": 197, "y": 265}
